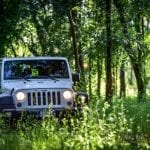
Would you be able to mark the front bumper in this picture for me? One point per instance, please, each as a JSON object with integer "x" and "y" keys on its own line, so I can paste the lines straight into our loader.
{"x": 41, "y": 113}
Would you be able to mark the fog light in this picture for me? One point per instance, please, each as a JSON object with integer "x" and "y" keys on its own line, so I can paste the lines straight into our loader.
{"x": 69, "y": 103}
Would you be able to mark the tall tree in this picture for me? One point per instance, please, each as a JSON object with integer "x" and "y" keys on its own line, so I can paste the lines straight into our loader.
{"x": 135, "y": 62}
{"x": 109, "y": 91}
{"x": 71, "y": 15}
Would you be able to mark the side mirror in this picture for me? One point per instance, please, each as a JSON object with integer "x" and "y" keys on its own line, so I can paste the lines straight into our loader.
{"x": 76, "y": 77}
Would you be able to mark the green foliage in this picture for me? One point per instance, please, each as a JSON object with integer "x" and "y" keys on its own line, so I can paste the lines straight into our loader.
{"x": 124, "y": 125}
{"x": 62, "y": 7}
{"x": 9, "y": 11}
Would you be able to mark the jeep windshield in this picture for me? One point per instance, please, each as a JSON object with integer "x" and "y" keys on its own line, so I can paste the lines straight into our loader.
{"x": 35, "y": 69}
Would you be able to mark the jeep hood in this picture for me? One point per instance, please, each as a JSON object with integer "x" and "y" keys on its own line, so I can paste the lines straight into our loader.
{"x": 32, "y": 84}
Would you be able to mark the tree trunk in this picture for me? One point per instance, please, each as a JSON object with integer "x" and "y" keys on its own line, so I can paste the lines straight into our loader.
{"x": 83, "y": 82}
{"x": 74, "y": 40}
{"x": 139, "y": 28}
{"x": 13, "y": 50}
{"x": 144, "y": 51}
{"x": 81, "y": 56}
{"x": 122, "y": 81}
{"x": 109, "y": 91}
{"x": 139, "y": 80}
{"x": 99, "y": 75}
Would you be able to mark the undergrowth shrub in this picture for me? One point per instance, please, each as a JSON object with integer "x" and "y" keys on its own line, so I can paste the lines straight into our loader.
{"x": 122, "y": 125}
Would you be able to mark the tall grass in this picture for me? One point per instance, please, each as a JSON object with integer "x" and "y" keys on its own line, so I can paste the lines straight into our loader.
{"x": 123, "y": 125}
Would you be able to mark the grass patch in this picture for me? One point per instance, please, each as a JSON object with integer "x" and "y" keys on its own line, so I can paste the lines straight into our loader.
{"x": 123, "y": 125}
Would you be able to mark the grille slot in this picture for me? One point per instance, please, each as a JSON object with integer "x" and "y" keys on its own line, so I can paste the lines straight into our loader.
{"x": 43, "y": 98}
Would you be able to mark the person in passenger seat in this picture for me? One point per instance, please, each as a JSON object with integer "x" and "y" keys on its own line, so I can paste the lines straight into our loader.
{"x": 27, "y": 72}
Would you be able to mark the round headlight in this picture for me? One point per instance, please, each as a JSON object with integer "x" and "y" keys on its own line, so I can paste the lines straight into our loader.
{"x": 20, "y": 96}
{"x": 67, "y": 94}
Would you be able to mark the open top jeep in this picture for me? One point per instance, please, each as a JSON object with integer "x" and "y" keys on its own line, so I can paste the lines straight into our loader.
{"x": 37, "y": 84}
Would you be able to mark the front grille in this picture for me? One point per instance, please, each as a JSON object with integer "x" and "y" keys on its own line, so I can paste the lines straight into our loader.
{"x": 43, "y": 98}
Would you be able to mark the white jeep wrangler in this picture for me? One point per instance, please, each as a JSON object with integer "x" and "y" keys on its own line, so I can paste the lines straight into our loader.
{"x": 38, "y": 84}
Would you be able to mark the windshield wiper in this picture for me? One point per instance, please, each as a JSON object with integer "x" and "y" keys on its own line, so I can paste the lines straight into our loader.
{"x": 26, "y": 78}
{"x": 51, "y": 77}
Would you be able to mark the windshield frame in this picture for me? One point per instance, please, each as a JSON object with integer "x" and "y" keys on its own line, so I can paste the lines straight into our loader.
{"x": 31, "y": 62}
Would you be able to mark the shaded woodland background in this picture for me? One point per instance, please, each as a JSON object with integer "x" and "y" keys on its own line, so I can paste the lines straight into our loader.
{"x": 108, "y": 42}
